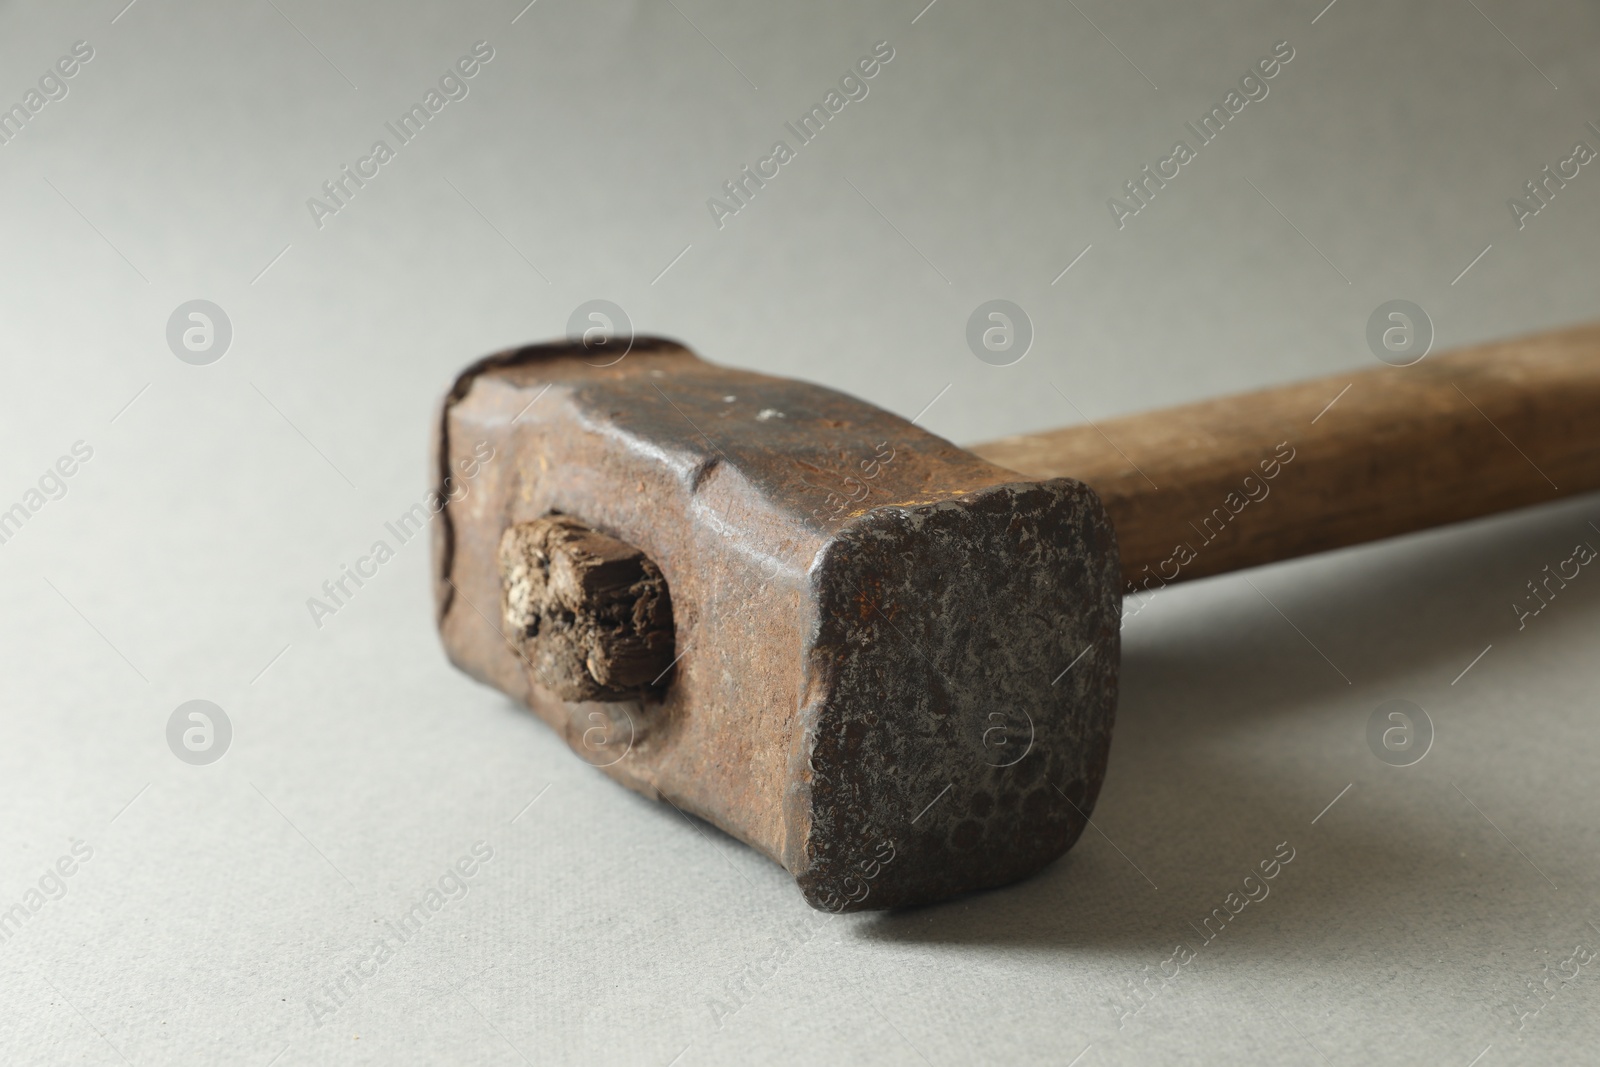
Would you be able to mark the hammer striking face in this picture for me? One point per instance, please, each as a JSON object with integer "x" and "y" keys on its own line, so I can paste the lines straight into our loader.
{"x": 885, "y": 663}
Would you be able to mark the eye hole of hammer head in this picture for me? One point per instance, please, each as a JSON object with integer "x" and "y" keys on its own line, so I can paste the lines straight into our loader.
{"x": 591, "y": 616}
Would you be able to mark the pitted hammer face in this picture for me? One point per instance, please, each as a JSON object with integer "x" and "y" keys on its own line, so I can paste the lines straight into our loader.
{"x": 885, "y": 663}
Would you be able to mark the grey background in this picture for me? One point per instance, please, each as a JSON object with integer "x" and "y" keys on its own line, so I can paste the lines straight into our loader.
{"x": 609, "y": 930}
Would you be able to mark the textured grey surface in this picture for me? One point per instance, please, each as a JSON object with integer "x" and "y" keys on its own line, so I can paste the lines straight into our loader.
{"x": 177, "y": 566}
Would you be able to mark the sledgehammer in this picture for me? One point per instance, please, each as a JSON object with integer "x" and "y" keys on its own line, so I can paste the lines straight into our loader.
{"x": 886, "y": 662}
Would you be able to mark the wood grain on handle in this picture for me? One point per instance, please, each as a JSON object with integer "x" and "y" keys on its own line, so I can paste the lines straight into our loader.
{"x": 1245, "y": 480}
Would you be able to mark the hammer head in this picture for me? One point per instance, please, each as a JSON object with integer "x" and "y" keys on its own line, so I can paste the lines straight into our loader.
{"x": 893, "y": 665}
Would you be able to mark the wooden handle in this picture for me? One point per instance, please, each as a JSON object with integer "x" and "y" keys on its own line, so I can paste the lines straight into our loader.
{"x": 1245, "y": 480}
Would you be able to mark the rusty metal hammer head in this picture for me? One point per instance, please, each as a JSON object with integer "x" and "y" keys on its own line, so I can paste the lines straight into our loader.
{"x": 883, "y": 662}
